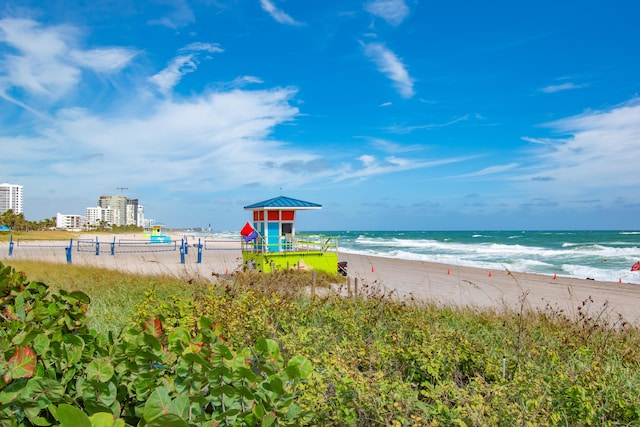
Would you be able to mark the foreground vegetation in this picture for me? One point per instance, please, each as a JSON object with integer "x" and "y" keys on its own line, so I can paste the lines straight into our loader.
{"x": 373, "y": 360}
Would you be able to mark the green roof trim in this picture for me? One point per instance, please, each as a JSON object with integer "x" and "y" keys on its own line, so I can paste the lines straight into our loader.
{"x": 283, "y": 202}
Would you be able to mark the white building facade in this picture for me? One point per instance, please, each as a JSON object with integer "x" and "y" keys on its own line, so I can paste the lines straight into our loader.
{"x": 97, "y": 216}
{"x": 70, "y": 222}
{"x": 11, "y": 198}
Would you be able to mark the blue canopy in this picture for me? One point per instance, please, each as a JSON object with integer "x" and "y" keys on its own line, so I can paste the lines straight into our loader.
{"x": 4, "y": 228}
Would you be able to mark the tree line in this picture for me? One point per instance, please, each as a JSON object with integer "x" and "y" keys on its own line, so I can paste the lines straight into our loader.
{"x": 17, "y": 222}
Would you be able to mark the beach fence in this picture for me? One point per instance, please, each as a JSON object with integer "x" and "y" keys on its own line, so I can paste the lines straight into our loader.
{"x": 120, "y": 246}
{"x": 42, "y": 244}
{"x": 112, "y": 247}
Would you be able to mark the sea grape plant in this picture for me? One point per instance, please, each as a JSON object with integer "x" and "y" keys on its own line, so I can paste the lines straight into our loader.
{"x": 55, "y": 371}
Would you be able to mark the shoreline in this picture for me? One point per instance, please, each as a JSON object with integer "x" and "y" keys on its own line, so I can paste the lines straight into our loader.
{"x": 442, "y": 284}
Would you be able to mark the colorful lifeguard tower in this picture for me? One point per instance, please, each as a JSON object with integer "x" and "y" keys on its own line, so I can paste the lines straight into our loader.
{"x": 273, "y": 244}
{"x": 155, "y": 235}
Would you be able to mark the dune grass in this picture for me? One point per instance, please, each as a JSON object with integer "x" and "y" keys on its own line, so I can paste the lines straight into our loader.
{"x": 381, "y": 361}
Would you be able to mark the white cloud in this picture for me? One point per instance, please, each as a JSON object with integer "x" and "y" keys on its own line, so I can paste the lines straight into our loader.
{"x": 202, "y": 47}
{"x": 392, "y": 11}
{"x": 600, "y": 151}
{"x": 393, "y": 147}
{"x": 105, "y": 60}
{"x": 181, "y": 65}
{"x": 169, "y": 77}
{"x": 491, "y": 170}
{"x": 45, "y": 60}
{"x": 179, "y": 15}
{"x": 277, "y": 14}
{"x": 390, "y": 65}
{"x": 560, "y": 87}
{"x": 371, "y": 166}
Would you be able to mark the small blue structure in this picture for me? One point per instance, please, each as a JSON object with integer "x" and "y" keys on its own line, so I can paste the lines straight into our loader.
{"x": 4, "y": 228}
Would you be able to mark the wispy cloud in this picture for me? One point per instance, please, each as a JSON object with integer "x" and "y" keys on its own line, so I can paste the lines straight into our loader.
{"x": 181, "y": 65}
{"x": 277, "y": 14}
{"x": 560, "y": 87}
{"x": 179, "y": 15}
{"x": 401, "y": 129}
{"x": 490, "y": 170}
{"x": 372, "y": 166}
{"x": 46, "y": 61}
{"x": 393, "y": 147}
{"x": 601, "y": 151}
{"x": 390, "y": 65}
{"x": 392, "y": 11}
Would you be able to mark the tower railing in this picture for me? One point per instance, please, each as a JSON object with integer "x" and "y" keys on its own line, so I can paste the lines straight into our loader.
{"x": 298, "y": 243}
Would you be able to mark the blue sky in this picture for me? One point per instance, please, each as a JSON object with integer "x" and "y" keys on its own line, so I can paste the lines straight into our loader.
{"x": 392, "y": 114}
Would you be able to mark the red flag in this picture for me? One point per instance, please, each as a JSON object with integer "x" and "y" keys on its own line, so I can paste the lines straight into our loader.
{"x": 246, "y": 230}
{"x": 636, "y": 266}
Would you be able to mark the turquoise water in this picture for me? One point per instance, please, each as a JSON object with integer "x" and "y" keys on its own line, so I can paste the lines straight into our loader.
{"x": 600, "y": 255}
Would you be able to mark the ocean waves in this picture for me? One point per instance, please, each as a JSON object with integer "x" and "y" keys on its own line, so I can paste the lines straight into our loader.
{"x": 601, "y": 255}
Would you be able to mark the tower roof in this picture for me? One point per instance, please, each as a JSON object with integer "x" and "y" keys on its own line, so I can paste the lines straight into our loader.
{"x": 283, "y": 202}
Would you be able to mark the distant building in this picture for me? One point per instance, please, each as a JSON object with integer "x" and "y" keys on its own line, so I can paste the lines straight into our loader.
{"x": 11, "y": 198}
{"x": 70, "y": 222}
{"x": 118, "y": 205}
{"x": 96, "y": 216}
{"x": 116, "y": 210}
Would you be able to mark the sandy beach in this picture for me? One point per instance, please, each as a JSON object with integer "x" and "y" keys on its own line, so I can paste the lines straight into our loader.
{"x": 440, "y": 283}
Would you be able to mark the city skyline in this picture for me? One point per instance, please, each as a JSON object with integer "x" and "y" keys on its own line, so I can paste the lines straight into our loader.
{"x": 391, "y": 114}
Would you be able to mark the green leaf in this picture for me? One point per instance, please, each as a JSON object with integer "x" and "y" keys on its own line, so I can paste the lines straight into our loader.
{"x": 46, "y": 388}
{"x": 12, "y": 392}
{"x": 179, "y": 338}
{"x": 268, "y": 419}
{"x": 299, "y": 367}
{"x": 41, "y": 344}
{"x": 80, "y": 296}
{"x": 167, "y": 420}
{"x": 159, "y": 403}
{"x": 105, "y": 419}
{"x": 70, "y": 416}
{"x": 269, "y": 349}
{"x": 100, "y": 370}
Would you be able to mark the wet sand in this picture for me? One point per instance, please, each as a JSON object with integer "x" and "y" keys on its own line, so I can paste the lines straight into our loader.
{"x": 440, "y": 283}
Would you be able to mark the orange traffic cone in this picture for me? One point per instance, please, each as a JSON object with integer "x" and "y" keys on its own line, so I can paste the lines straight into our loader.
{"x": 448, "y": 271}
{"x": 490, "y": 274}
{"x": 555, "y": 276}
{"x": 620, "y": 281}
{"x": 373, "y": 270}
{"x": 226, "y": 271}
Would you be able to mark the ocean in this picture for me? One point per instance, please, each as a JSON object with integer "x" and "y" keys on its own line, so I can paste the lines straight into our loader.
{"x": 599, "y": 255}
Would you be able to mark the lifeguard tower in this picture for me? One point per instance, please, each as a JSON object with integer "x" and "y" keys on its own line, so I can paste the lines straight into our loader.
{"x": 270, "y": 241}
{"x": 155, "y": 235}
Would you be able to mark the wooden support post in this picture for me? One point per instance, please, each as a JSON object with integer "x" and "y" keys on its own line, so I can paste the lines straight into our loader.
{"x": 313, "y": 284}
{"x": 355, "y": 287}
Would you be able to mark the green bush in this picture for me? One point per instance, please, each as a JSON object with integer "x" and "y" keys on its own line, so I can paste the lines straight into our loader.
{"x": 54, "y": 371}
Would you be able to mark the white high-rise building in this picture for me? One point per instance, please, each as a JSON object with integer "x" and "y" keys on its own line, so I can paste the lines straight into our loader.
{"x": 97, "y": 216}
{"x": 11, "y": 198}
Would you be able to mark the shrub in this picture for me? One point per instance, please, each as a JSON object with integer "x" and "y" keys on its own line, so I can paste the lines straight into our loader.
{"x": 54, "y": 370}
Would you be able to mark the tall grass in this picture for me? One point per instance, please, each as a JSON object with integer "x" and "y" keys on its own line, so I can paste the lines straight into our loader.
{"x": 381, "y": 361}
{"x": 114, "y": 294}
